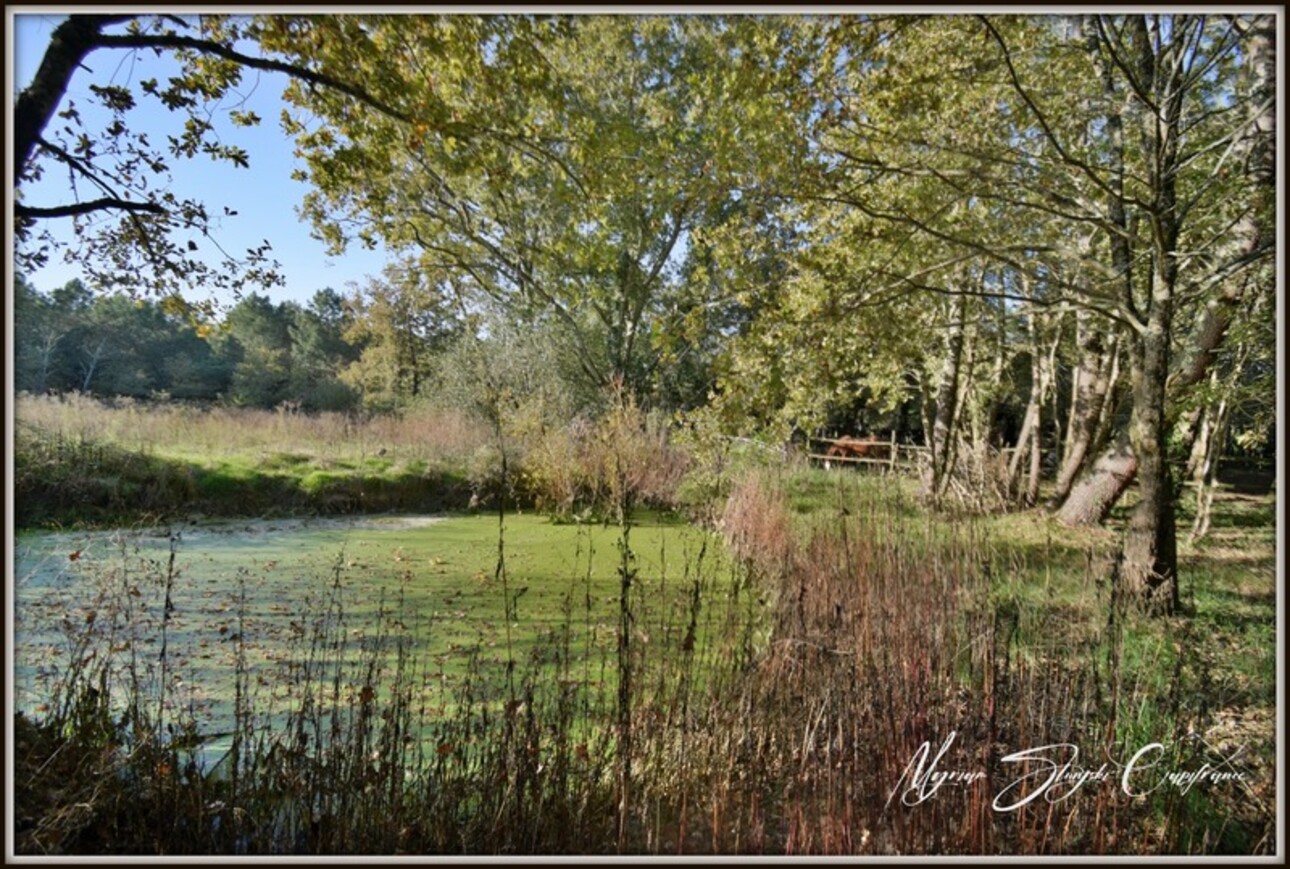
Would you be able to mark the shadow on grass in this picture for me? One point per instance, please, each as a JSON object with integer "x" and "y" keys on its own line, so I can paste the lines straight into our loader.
{"x": 1238, "y": 607}
{"x": 1247, "y": 481}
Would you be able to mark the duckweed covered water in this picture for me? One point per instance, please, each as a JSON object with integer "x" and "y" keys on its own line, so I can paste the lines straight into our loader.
{"x": 289, "y": 602}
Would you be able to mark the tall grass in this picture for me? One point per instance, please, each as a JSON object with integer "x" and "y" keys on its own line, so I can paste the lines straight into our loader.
{"x": 78, "y": 459}
{"x": 778, "y": 708}
{"x": 211, "y": 432}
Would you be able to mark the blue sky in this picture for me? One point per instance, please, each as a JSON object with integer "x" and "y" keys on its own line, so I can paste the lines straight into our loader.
{"x": 264, "y": 195}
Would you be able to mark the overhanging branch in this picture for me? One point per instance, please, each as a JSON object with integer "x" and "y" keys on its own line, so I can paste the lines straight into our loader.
{"x": 103, "y": 204}
{"x": 206, "y": 46}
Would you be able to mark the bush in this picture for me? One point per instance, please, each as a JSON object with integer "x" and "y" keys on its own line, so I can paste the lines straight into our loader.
{"x": 718, "y": 461}
{"x": 624, "y": 458}
{"x": 486, "y": 475}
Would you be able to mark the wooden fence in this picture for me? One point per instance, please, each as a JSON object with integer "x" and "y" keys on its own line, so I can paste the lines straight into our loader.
{"x": 899, "y": 455}
{"x": 891, "y": 461}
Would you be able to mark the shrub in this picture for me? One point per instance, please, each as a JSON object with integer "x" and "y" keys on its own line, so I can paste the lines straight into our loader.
{"x": 626, "y": 457}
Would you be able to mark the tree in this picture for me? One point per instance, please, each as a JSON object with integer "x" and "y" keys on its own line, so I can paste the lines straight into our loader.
{"x": 559, "y": 167}
{"x": 1123, "y": 134}
{"x": 255, "y": 340}
{"x": 1251, "y": 242}
{"x": 111, "y": 345}
{"x": 132, "y": 232}
{"x": 397, "y": 322}
{"x": 319, "y": 352}
{"x": 38, "y": 342}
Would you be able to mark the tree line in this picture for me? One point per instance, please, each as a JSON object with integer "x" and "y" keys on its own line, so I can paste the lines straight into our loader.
{"x": 369, "y": 349}
{"x": 1053, "y": 234}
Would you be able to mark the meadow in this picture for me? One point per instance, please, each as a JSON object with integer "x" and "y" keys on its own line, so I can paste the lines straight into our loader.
{"x": 83, "y": 462}
{"x": 757, "y": 672}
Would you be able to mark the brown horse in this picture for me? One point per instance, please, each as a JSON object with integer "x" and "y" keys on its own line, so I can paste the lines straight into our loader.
{"x": 867, "y": 447}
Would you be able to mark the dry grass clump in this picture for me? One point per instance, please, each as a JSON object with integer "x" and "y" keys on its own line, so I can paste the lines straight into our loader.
{"x": 757, "y": 525}
{"x": 626, "y": 457}
{"x": 210, "y": 432}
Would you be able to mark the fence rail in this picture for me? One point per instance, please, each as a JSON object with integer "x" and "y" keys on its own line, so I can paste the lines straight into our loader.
{"x": 900, "y": 455}
{"x": 894, "y": 459}
{"x": 891, "y": 461}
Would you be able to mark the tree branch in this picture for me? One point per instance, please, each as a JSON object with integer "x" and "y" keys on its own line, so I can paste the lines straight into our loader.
{"x": 78, "y": 165}
{"x": 1113, "y": 48}
{"x": 70, "y": 42}
{"x": 1049, "y": 134}
{"x": 103, "y": 204}
{"x": 206, "y": 46}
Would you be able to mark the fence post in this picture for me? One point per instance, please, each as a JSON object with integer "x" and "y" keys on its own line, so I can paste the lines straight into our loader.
{"x": 892, "y": 460}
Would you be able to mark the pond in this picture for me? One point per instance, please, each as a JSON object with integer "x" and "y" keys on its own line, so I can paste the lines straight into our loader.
{"x": 182, "y": 611}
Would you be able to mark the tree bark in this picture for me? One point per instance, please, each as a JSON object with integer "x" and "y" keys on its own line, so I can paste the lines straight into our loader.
{"x": 1029, "y": 426}
{"x": 1203, "y": 467}
{"x": 1030, "y": 441}
{"x": 946, "y": 401}
{"x": 1150, "y": 563}
{"x": 1092, "y": 498}
{"x": 1091, "y": 390}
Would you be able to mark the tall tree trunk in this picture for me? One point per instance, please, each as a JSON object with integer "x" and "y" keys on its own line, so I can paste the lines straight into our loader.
{"x": 47, "y": 346}
{"x": 946, "y": 402}
{"x": 1047, "y": 382}
{"x": 1029, "y": 428}
{"x": 1090, "y": 393}
{"x": 1030, "y": 441}
{"x": 91, "y": 364}
{"x": 1252, "y": 233}
{"x": 1149, "y": 566}
{"x": 1112, "y": 400}
{"x": 1203, "y": 466}
{"x": 964, "y": 427}
{"x": 1090, "y": 501}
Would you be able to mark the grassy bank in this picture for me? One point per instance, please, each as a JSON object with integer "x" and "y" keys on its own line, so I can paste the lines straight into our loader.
{"x": 63, "y": 482}
{"x": 82, "y": 462}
